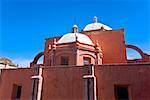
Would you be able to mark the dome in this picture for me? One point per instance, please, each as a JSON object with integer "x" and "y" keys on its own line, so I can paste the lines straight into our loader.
{"x": 96, "y": 26}
{"x": 72, "y": 37}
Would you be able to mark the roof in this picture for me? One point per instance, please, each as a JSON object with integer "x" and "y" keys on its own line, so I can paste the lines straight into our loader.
{"x": 95, "y": 26}
{"x": 72, "y": 37}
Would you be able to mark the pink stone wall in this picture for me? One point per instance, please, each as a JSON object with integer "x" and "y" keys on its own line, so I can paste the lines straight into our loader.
{"x": 112, "y": 44}
{"x": 136, "y": 76}
{"x": 15, "y": 76}
{"x": 62, "y": 83}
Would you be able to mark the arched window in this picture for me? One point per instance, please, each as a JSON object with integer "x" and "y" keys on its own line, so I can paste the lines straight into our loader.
{"x": 86, "y": 60}
{"x": 64, "y": 60}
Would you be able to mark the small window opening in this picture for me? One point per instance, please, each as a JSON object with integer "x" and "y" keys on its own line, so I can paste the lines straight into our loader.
{"x": 121, "y": 92}
{"x": 86, "y": 60}
{"x": 89, "y": 88}
{"x": 64, "y": 61}
{"x": 16, "y": 92}
{"x": 35, "y": 89}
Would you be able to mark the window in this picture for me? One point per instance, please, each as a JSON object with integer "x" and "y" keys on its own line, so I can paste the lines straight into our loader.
{"x": 89, "y": 89}
{"x": 35, "y": 88}
{"x": 121, "y": 92}
{"x": 16, "y": 95}
{"x": 86, "y": 60}
{"x": 64, "y": 61}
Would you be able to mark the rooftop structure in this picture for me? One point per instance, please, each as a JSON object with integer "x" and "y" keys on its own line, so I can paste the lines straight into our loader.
{"x": 6, "y": 63}
{"x": 96, "y": 26}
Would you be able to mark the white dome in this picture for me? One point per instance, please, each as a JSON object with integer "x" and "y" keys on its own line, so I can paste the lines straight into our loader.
{"x": 72, "y": 37}
{"x": 95, "y": 26}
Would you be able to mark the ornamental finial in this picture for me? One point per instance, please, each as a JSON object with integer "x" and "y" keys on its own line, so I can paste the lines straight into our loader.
{"x": 95, "y": 19}
{"x": 75, "y": 29}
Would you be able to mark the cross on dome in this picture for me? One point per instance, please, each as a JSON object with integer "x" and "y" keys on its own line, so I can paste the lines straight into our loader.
{"x": 75, "y": 29}
{"x": 75, "y": 26}
{"x": 95, "y": 19}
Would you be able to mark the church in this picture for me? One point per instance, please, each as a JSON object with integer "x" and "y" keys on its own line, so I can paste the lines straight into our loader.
{"x": 88, "y": 65}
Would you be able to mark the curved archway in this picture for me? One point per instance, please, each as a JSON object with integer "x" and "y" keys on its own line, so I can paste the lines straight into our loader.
{"x": 132, "y": 54}
{"x": 136, "y": 49}
{"x": 37, "y": 57}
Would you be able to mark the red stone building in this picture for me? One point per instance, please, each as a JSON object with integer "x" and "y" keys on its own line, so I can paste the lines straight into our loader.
{"x": 87, "y": 65}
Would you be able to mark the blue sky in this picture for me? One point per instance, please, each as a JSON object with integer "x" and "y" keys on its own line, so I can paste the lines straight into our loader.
{"x": 24, "y": 24}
